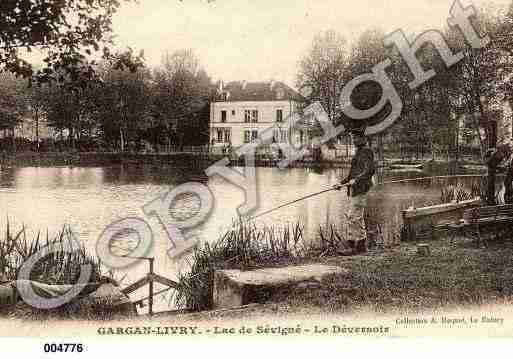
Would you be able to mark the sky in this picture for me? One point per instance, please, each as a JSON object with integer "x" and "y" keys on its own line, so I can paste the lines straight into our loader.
{"x": 259, "y": 40}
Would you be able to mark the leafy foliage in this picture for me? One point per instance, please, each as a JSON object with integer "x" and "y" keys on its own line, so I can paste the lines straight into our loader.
{"x": 457, "y": 103}
{"x": 66, "y": 32}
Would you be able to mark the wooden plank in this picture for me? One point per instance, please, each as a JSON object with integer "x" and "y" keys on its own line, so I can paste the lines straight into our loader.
{"x": 500, "y": 207}
{"x": 441, "y": 208}
{"x": 495, "y": 220}
{"x": 482, "y": 222}
{"x": 162, "y": 280}
{"x": 133, "y": 287}
{"x": 489, "y": 211}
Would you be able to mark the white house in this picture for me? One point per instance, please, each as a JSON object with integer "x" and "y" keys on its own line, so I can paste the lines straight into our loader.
{"x": 242, "y": 110}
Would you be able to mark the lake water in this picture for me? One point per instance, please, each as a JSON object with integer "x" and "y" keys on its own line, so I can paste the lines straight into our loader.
{"x": 90, "y": 198}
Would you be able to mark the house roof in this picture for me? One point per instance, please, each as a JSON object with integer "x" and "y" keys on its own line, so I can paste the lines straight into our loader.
{"x": 258, "y": 91}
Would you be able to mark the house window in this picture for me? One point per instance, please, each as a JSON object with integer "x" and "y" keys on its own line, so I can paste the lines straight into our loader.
{"x": 223, "y": 116}
{"x": 279, "y": 115}
{"x": 254, "y": 135}
{"x": 254, "y": 116}
{"x": 219, "y": 135}
{"x": 227, "y": 136}
{"x": 247, "y": 116}
{"x": 247, "y": 136}
{"x": 284, "y": 137}
{"x": 233, "y": 112}
{"x": 276, "y": 136}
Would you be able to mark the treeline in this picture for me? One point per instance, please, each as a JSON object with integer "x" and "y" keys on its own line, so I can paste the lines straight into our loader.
{"x": 460, "y": 106}
{"x": 117, "y": 109}
{"x": 125, "y": 108}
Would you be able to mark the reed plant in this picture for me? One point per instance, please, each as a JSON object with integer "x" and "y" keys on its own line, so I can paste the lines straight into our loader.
{"x": 244, "y": 246}
{"x": 60, "y": 265}
{"x": 247, "y": 246}
{"x": 459, "y": 193}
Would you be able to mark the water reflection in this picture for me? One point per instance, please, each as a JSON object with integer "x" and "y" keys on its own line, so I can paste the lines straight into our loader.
{"x": 90, "y": 198}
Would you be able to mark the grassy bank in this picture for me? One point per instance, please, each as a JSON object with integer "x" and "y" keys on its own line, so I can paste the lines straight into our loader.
{"x": 395, "y": 279}
{"x": 392, "y": 275}
{"x": 453, "y": 275}
{"x": 246, "y": 246}
{"x": 61, "y": 264}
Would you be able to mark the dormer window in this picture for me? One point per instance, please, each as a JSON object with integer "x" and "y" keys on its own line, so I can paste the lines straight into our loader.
{"x": 224, "y": 96}
{"x": 280, "y": 94}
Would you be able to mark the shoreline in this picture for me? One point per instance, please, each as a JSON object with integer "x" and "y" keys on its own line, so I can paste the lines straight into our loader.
{"x": 386, "y": 284}
{"x": 48, "y": 159}
{"x": 205, "y": 159}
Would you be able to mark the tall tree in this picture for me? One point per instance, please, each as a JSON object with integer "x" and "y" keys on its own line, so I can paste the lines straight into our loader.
{"x": 122, "y": 105}
{"x": 68, "y": 110}
{"x": 38, "y": 101}
{"x": 477, "y": 78}
{"x": 367, "y": 51}
{"x": 182, "y": 93}
{"x": 323, "y": 70}
{"x": 13, "y": 104}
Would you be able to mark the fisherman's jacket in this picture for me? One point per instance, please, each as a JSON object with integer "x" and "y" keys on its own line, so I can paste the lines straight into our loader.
{"x": 362, "y": 170}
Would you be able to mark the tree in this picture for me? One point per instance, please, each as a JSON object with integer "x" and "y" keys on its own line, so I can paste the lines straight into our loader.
{"x": 68, "y": 109}
{"x": 367, "y": 51}
{"x": 182, "y": 93}
{"x": 503, "y": 41}
{"x": 122, "y": 105}
{"x": 37, "y": 101}
{"x": 476, "y": 78}
{"x": 13, "y": 104}
{"x": 66, "y": 31}
{"x": 323, "y": 70}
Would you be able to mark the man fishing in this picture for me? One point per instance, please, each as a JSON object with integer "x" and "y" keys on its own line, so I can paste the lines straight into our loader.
{"x": 359, "y": 182}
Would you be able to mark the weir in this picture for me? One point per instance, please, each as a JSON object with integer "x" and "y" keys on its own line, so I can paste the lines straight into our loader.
{"x": 431, "y": 222}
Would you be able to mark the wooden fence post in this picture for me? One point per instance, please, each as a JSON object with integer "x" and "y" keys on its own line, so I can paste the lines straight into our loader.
{"x": 150, "y": 285}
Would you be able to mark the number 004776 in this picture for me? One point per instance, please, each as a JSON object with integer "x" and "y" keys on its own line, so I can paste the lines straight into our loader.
{"x": 63, "y": 348}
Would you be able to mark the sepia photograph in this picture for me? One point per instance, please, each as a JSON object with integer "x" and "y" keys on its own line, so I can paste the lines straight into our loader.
{"x": 202, "y": 169}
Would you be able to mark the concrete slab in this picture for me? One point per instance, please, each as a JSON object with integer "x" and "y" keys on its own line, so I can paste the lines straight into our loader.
{"x": 235, "y": 288}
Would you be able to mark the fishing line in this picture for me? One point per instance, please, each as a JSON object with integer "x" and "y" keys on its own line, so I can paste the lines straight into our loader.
{"x": 344, "y": 185}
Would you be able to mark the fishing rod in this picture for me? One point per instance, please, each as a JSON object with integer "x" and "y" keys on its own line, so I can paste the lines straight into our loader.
{"x": 298, "y": 200}
{"x": 338, "y": 187}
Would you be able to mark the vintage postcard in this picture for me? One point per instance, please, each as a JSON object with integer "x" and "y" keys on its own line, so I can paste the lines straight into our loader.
{"x": 190, "y": 170}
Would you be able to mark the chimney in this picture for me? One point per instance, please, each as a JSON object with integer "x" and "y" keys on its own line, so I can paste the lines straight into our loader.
{"x": 271, "y": 84}
{"x": 244, "y": 84}
{"x": 221, "y": 85}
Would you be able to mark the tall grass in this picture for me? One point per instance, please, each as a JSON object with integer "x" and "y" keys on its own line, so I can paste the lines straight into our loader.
{"x": 460, "y": 193}
{"x": 59, "y": 266}
{"x": 246, "y": 246}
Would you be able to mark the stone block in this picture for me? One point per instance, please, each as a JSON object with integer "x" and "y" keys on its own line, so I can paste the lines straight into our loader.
{"x": 234, "y": 288}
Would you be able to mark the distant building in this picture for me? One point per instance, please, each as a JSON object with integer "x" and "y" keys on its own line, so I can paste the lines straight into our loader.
{"x": 242, "y": 110}
{"x": 27, "y": 129}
